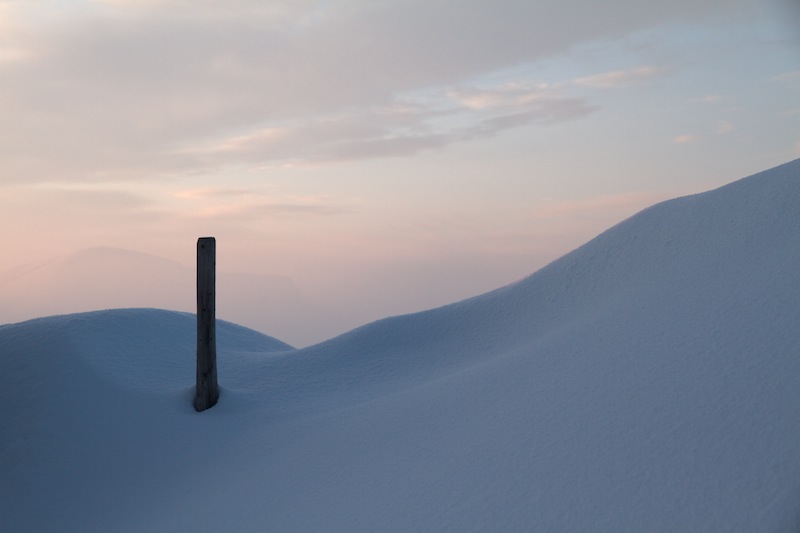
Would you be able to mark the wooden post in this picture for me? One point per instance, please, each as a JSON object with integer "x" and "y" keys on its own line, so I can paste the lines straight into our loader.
{"x": 206, "y": 391}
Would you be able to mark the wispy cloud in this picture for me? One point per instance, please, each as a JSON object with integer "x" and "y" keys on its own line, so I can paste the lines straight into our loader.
{"x": 686, "y": 138}
{"x": 251, "y": 204}
{"x": 88, "y": 207}
{"x": 82, "y": 196}
{"x": 547, "y": 112}
{"x": 249, "y": 213}
{"x": 212, "y": 192}
{"x": 620, "y": 78}
{"x": 393, "y": 130}
{"x": 706, "y": 99}
{"x": 787, "y": 76}
{"x": 111, "y": 89}
{"x": 725, "y": 127}
{"x": 507, "y": 95}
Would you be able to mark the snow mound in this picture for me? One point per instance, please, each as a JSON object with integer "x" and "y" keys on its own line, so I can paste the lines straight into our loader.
{"x": 647, "y": 381}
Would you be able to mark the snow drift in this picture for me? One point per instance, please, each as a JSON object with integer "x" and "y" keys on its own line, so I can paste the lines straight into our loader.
{"x": 647, "y": 381}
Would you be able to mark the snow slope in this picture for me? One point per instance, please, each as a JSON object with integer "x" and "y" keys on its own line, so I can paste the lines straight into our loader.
{"x": 647, "y": 381}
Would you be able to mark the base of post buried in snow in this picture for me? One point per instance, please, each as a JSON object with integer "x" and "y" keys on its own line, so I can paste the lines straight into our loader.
{"x": 207, "y": 390}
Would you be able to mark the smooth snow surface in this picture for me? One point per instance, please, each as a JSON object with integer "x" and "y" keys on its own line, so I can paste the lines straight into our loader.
{"x": 647, "y": 381}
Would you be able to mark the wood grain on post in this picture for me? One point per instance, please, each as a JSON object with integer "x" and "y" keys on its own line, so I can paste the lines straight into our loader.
{"x": 207, "y": 391}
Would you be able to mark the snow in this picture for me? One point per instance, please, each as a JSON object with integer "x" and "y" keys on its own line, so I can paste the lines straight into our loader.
{"x": 647, "y": 381}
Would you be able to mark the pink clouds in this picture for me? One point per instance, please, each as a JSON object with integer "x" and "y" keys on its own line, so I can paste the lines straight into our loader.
{"x": 620, "y": 78}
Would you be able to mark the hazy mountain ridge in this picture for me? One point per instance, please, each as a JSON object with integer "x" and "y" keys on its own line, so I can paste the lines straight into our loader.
{"x": 109, "y": 278}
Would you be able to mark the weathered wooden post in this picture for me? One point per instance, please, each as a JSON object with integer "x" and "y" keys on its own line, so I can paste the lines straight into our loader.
{"x": 206, "y": 391}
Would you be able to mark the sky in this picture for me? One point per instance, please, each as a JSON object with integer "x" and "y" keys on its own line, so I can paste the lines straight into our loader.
{"x": 390, "y": 155}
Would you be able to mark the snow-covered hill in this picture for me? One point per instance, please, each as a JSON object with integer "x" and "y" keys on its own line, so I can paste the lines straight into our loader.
{"x": 647, "y": 381}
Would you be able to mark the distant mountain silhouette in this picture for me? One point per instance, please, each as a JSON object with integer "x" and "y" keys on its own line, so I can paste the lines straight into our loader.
{"x": 107, "y": 278}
